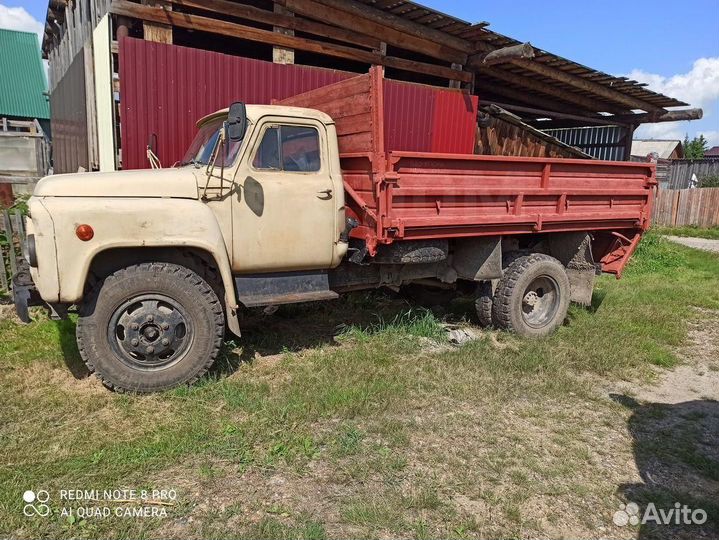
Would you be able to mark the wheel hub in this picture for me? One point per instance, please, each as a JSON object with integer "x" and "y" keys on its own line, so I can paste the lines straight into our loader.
{"x": 150, "y": 332}
{"x": 540, "y": 301}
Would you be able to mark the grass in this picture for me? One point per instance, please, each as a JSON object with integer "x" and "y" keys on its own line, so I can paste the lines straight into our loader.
{"x": 711, "y": 233}
{"x": 357, "y": 419}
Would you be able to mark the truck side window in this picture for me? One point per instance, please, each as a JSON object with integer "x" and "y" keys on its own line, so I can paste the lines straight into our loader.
{"x": 289, "y": 148}
{"x": 268, "y": 154}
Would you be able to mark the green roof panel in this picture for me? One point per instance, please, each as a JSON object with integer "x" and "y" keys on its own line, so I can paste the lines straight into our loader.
{"x": 22, "y": 76}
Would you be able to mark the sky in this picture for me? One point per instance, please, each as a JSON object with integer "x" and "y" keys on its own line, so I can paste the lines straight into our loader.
{"x": 673, "y": 46}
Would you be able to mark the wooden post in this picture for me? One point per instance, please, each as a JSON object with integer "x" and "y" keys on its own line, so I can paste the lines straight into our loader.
{"x": 3, "y": 275}
{"x": 159, "y": 33}
{"x": 281, "y": 55}
{"x": 19, "y": 227}
{"x": 8, "y": 233}
{"x": 456, "y": 84}
{"x": 123, "y": 27}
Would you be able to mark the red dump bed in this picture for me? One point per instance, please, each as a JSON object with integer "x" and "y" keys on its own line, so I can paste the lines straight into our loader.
{"x": 410, "y": 195}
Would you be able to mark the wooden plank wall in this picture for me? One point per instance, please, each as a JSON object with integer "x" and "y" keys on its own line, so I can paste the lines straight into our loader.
{"x": 349, "y": 103}
{"x": 682, "y": 207}
{"x": 81, "y": 16}
{"x": 681, "y": 171}
{"x": 498, "y": 137}
{"x": 69, "y": 117}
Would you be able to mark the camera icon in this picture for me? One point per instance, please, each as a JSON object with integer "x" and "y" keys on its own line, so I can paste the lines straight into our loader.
{"x": 36, "y": 503}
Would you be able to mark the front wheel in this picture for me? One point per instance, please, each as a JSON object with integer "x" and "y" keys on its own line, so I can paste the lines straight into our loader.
{"x": 150, "y": 327}
{"x": 532, "y": 297}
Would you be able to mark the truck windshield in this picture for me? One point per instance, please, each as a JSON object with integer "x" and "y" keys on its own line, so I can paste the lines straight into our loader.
{"x": 200, "y": 151}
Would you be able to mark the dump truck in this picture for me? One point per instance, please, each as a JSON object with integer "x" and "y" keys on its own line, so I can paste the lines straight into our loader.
{"x": 299, "y": 201}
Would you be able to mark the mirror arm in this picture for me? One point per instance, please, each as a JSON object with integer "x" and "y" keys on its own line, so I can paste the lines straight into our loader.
{"x": 211, "y": 164}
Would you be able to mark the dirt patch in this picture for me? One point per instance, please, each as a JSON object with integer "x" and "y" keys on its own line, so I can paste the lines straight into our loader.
{"x": 698, "y": 375}
{"x": 7, "y": 312}
{"x": 703, "y": 244}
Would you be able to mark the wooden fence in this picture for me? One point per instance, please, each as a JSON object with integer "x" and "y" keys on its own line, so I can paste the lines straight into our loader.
{"x": 12, "y": 237}
{"x": 686, "y": 173}
{"x": 681, "y": 207}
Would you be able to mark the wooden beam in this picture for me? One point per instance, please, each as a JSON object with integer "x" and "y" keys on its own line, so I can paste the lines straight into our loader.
{"x": 586, "y": 103}
{"x": 205, "y": 24}
{"x": 387, "y": 19}
{"x": 159, "y": 33}
{"x": 586, "y": 85}
{"x": 537, "y": 113}
{"x": 289, "y": 22}
{"x": 664, "y": 116}
{"x": 336, "y": 16}
{"x": 528, "y": 98}
{"x": 501, "y": 56}
{"x": 281, "y": 55}
{"x": 626, "y": 120}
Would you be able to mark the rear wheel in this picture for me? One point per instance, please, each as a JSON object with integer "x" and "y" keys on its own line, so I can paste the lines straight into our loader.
{"x": 483, "y": 303}
{"x": 150, "y": 327}
{"x": 532, "y": 297}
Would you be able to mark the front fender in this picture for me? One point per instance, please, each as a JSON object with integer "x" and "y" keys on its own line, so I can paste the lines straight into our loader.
{"x": 131, "y": 223}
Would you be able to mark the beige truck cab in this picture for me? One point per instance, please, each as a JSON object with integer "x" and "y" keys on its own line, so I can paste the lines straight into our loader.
{"x": 158, "y": 261}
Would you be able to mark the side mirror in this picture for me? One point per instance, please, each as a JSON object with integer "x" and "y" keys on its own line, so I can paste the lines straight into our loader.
{"x": 237, "y": 121}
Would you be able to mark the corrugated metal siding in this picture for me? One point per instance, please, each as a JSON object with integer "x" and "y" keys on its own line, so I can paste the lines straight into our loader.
{"x": 455, "y": 122}
{"x": 421, "y": 118}
{"x": 600, "y": 142}
{"x": 22, "y": 76}
{"x": 69, "y": 119}
{"x": 166, "y": 88}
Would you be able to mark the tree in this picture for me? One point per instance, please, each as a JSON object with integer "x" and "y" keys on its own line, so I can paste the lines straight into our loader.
{"x": 695, "y": 148}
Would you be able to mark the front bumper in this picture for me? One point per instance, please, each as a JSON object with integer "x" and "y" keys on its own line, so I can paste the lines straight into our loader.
{"x": 24, "y": 293}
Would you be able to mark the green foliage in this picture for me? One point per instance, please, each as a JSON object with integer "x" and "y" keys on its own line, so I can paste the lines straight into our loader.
{"x": 711, "y": 180}
{"x": 692, "y": 231}
{"x": 368, "y": 418}
{"x": 419, "y": 322}
{"x": 655, "y": 254}
{"x": 695, "y": 148}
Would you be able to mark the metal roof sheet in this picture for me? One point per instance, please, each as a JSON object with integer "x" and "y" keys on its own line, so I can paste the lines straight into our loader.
{"x": 479, "y": 33}
{"x": 22, "y": 84}
{"x": 664, "y": 148}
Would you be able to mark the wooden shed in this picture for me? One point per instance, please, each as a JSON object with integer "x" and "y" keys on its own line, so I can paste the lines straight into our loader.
{"x": 93, "y": 50}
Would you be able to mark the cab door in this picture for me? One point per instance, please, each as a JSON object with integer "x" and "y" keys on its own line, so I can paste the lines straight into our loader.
{"x": 285, "y": 208}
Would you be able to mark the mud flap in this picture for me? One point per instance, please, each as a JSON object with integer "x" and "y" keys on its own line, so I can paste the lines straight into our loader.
{"x": 24, "y": 294}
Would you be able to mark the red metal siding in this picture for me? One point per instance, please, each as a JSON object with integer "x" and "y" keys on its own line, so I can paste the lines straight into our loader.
{"x": 422, "y": 118}
{"x": 166, "y": 88}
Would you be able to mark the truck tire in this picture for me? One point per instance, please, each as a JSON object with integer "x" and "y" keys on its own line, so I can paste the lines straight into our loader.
{"x": 150, "y": 327}
{"x": 532, "y": 297}
{"x": 483, "y": 303}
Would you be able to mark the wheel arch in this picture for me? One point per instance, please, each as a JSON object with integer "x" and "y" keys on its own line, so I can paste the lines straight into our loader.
{"x": 212, "y": 265}
{"x": 139, "y": 223}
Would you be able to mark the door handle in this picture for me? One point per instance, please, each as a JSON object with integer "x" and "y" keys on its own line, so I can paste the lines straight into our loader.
{"x": 327, "y": 194}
